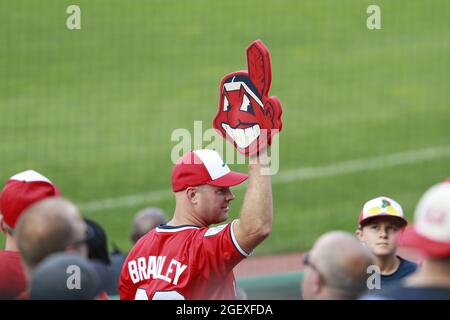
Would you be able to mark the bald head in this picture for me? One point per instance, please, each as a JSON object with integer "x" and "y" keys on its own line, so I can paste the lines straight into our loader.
{"x": 50, "y": 226}
{"x": 342, "y": 262}
{"x": 145, "y": 220}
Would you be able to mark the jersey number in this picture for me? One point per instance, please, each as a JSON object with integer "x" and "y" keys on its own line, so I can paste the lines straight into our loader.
{"x": 141, "y": 294}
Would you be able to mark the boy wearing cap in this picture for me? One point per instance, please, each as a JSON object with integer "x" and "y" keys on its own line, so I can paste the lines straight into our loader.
{"x": 185, "y": 258}
{"x": 20, "y": 191}
{"x": 381, "y": 223}
{"x": 430, "y": 236}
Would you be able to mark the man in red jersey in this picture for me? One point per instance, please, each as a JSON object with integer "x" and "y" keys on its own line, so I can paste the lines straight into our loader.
{"x": 20, "y": 192}
{"x": 185, "y": 259}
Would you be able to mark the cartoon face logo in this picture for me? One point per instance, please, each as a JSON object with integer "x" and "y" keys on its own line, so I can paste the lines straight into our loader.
{"x": 242, "y": 108}
{"x": 246, "y": 116}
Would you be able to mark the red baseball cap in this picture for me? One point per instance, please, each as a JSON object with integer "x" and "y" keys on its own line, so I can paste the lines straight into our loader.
{"x": 23, "y": 190}
{"x": 430, "y": 233}
{"x": 203, "y": 167}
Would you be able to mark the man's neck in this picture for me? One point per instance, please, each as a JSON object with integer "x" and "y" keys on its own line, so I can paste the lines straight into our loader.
{"x": 184, "y": 217}
{"x": 10, "y": 244}
{"x": 387, "y": 264}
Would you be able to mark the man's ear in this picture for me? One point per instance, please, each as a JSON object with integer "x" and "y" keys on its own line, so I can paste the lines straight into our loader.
{"x": 2, "y": 224}
{"x": 317, "y": 283}
{"x": 359, "y": 234}
{"x": 192, "y": 194}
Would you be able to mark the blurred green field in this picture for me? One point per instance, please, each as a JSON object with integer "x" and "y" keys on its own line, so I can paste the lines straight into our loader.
{"x": 94, "y": 109}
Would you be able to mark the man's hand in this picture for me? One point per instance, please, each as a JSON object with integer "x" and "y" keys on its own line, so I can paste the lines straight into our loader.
{"x": 247, "y": 116}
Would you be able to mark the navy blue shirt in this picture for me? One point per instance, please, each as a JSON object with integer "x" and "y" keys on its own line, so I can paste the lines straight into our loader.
{"x": 400, "y": 292}
{"x": 404, "y": 269}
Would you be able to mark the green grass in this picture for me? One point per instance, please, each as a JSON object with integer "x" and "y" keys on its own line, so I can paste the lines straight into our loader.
{"x": 94, "y": 109}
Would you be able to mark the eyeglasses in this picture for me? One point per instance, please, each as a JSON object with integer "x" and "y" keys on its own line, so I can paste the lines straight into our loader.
{"x": 78, "y": 242}
{"x": 307, "y": 262}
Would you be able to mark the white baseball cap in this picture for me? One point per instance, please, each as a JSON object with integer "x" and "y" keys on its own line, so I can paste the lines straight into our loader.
{"x": 430, "y": 232}
{"x": 382, "y": 207}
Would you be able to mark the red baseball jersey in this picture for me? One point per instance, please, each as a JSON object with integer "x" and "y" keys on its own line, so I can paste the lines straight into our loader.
{"x": 185, "y": 262}
{"x": 12, "y": 276}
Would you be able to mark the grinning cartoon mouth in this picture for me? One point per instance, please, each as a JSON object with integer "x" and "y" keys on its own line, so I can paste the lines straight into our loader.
{"x": 243, "y": 137}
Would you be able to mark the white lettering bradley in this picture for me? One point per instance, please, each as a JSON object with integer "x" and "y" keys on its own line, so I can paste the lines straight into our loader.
{"x": 152, "y": 268}
{"x": 178, "y": 271}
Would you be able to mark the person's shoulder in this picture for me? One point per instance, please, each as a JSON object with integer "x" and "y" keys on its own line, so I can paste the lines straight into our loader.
{"x": 192, "y": 229}
{"x": 164, "y": 228}
{"x": 391, "y": 292}
{"x": 7, "y": 256}
{"x": 184, "y": 232}
{"x": 212, "y": 231}
{"x": 9, "y": 253}
{"x": 374, "y": 296}
{"x": 418, "y": 293}
{"x": 140, "y": 244}
{"x": 401, "y": 292}
{"x": 407, "y": 265}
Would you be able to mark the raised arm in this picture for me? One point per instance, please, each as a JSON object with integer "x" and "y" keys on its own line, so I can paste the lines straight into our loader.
{"x": 244, "y": 99}
{"x": 255, "y": 221}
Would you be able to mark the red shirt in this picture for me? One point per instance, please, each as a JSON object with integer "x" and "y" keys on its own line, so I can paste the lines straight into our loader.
{"x": 185, "y": 262}
{"x": 13, "y": 281}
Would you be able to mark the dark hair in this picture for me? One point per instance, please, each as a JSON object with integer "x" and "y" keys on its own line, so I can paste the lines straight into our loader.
{"x": 246, "y": 80}
{"x": 399, "y": 222}
{"x": 97, "y": 242}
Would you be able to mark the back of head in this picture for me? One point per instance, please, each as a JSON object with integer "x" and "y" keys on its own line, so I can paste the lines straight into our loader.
{"x": 343, "y": 262}
{"x": 97, "y": 242}
{"x": 145, "y": 220}
{"x": 49, "y": 226}
{"x": 21, "y": 191}
{"x": 64, "y": 276}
